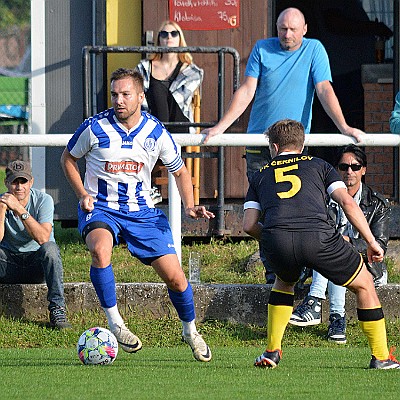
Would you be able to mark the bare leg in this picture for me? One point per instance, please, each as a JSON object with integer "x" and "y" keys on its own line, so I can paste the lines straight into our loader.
{"x": 283, "y": 286}
{"x": 364, "y": 289}
{"x": 169, "y": 270}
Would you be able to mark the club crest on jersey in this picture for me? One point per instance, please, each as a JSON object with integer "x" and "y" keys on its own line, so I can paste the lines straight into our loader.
{"x": 128, "y": 167}
{"x": 150, "y": 144}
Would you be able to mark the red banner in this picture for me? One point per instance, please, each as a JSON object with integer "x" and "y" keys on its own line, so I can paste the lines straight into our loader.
{"x": 205, "y": 15}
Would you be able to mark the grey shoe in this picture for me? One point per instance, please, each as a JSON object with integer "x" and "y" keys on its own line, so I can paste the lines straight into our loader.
{"x": 268, "y": 359}
{"x": 390, "y": 363}
{"x": 126, "y": 339}
{"x": 58, "y": 318}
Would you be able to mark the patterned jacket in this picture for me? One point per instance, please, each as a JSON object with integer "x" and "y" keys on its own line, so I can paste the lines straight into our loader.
{"x": 182, "y": 88}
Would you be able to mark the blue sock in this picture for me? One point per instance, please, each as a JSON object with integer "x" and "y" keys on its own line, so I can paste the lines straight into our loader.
{"x": 183, "y": 303}
{"x": 104, "y": 284}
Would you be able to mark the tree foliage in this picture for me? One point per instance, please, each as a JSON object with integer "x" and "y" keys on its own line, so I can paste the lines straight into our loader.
{"x": 14, "y": 13}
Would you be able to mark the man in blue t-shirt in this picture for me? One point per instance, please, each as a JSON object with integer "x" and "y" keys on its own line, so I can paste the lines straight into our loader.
{"x": 28, "y": 252}
{"x": 282, "y": 75}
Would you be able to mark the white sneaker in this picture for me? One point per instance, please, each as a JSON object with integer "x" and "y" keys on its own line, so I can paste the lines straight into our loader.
{"x": 126, "y": 339}
{"x": 201, "y": 352}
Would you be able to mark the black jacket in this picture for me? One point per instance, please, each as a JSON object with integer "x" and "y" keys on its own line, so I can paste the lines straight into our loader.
{"x": 377, "y": 213}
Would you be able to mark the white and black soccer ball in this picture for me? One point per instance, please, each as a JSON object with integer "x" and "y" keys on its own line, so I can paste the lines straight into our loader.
{"x": 97, "y": 346}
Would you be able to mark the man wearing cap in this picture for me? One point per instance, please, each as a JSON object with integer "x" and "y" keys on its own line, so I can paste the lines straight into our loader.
{"x": 28, "y": 252}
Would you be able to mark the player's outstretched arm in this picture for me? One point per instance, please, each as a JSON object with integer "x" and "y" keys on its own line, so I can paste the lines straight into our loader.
{"x": 197, "y": 212}
{"x": 357, "y": 219}
{"x": 251, "y": 224}
{"x": 185, "y": 188}
{"x": 240, "y": 100}
{"x": 71, "y": 170}
{"x": 331, "y": 105}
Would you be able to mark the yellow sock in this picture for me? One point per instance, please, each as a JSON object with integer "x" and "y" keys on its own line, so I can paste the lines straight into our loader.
{"x": 375, "y": 331}
{"x": 280, "y": 308}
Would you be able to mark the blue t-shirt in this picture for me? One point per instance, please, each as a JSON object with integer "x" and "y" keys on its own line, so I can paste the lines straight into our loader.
{"x": 16, "y": 238}
{"x": 286, "y": 81}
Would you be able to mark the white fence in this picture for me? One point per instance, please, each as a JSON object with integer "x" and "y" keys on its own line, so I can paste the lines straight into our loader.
{"x": 227, "y": 139}
{"x": 326, "y": 139}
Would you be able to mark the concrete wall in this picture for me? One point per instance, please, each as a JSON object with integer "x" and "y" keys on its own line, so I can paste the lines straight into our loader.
{"x": 235, "y": 303}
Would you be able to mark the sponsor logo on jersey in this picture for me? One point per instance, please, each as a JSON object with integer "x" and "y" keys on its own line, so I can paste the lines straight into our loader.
{"x": 115, "y": 167}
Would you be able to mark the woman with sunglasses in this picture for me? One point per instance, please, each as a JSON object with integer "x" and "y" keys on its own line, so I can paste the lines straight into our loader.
{"x": 170, "y": 79}
{"x": 352, "y": 166}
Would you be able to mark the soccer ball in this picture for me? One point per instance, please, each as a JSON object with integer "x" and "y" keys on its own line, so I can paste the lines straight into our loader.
{"x": 97, "y": 346}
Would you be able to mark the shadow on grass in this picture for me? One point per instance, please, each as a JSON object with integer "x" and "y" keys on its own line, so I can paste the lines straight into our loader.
{"x": 317, "y": 331}
{"x": 236, "y": 332}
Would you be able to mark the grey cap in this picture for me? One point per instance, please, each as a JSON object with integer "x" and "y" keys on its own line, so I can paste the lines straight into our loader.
{"x": 18, "y": 169}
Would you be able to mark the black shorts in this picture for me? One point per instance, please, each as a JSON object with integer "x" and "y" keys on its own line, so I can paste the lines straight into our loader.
{"x": 288, "y": 252}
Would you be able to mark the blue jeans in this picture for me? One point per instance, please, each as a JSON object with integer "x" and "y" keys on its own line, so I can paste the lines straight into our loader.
{"x": 43, "y": 265}
{"x": 337, "y": 294}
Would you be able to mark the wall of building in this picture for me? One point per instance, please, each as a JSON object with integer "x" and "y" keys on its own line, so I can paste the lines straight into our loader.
{"x": 123, "y": 28}
{"x": 378, "y": 105}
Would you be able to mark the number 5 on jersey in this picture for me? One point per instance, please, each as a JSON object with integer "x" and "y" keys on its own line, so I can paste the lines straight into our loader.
{"x": 294, "y": 180}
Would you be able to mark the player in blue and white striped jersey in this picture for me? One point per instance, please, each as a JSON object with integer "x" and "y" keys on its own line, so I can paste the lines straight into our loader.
{"x": 121, "y": 146}
{"x": 119, "y": 162}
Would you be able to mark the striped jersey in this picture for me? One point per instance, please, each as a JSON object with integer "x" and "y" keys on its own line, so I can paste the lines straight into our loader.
{"x": 119, "y": 162}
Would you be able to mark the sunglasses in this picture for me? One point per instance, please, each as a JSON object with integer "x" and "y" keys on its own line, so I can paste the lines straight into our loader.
{"x": 164, "y": 34}
{"x": 345, "y": 167}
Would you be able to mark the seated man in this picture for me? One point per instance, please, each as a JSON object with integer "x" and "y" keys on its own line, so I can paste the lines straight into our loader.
{"x": 28, "y": 252}
{"x": 352, "y": 166}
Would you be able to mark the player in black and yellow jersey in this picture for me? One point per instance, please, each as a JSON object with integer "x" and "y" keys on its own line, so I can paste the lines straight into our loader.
{"x": 290, "y": 192}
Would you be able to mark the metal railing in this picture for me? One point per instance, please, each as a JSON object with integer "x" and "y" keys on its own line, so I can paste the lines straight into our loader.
{"x": 239, "y": 139}
{"x": 225, "y": 140}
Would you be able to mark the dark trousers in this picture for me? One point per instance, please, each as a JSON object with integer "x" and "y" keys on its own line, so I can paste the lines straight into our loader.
{"x": 43, "y": 265}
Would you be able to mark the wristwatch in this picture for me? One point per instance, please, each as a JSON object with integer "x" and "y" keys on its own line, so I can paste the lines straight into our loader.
{"x": 25, "y": 216}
